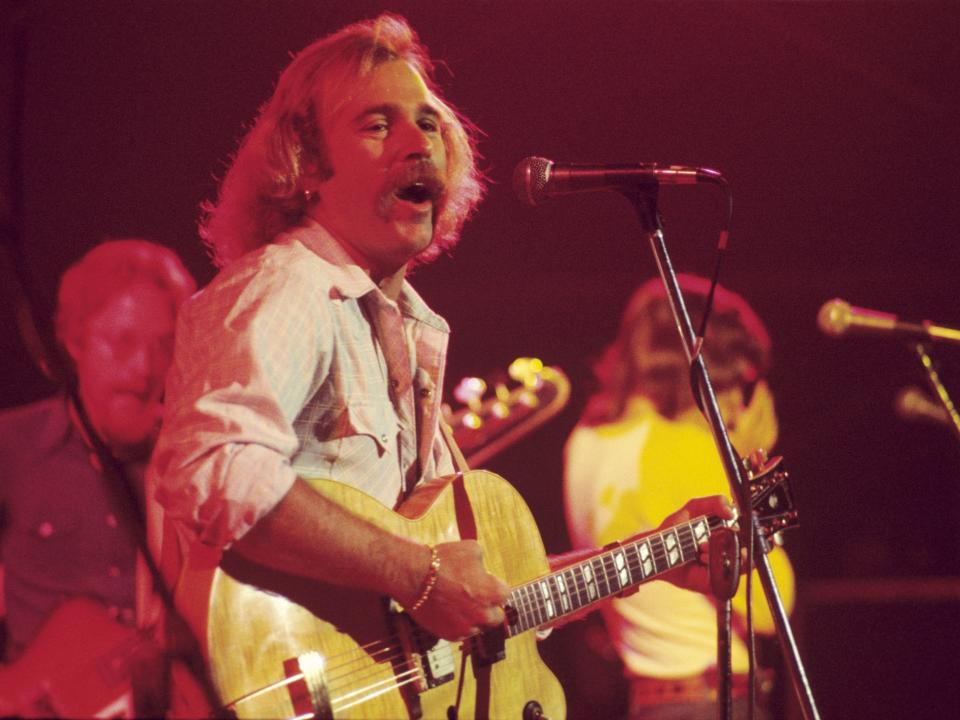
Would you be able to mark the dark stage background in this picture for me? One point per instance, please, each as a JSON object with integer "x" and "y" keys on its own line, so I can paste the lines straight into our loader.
{"x": 836, "y": 125}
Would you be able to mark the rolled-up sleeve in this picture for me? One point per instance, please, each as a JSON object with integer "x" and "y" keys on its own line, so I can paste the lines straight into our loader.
{"x": 249, "y": 350}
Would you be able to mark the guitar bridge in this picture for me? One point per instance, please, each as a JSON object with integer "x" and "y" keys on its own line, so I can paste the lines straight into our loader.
{"x": 308, "y": 691}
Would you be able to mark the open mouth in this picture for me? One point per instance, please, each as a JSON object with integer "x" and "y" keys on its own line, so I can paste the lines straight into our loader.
{"x": 416, "y": 193}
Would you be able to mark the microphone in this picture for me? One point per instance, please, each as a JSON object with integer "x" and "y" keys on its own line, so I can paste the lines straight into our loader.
{"x": 838, "y": 317}
{"x": 912, "y": 403}
{"x": 536, "y": 178}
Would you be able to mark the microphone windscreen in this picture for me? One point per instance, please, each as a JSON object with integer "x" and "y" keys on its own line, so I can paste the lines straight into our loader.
{"x": 530, "y": 179}
{"x": 834, "y": 317}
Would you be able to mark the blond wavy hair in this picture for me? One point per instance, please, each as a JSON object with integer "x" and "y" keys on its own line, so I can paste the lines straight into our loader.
{"x": 262, "y": 193}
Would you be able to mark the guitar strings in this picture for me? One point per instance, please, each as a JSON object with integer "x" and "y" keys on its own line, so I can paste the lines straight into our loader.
{"x": 372, "y": 691}
{"x": 533, "y": 611}
{"x": 406, "y": 676}
{"x": 384, "y": 656}
{"x": 388, "y": 651}
{"x": 360, "y": 652}
{"x": 391, "y": 645}
{"x": 536, "y": 611}
{"x": 279, "y": 684}
{"x": 373, "y": 662}
{"x": 391, "y": 680}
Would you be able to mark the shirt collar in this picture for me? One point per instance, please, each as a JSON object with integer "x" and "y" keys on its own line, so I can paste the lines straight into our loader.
{"x": 350, "y": 280}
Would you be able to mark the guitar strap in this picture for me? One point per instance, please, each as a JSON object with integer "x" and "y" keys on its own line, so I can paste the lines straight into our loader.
{"x": 466, "y": 522}
{"x": 459, "y": 461}
{"x": 467, "y": 527}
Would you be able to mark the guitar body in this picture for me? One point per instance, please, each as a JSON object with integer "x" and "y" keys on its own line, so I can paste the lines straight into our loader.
{"x": 283, "y": 646}
{"x": 77, "y": 666}
{"x": 258, "y": 623}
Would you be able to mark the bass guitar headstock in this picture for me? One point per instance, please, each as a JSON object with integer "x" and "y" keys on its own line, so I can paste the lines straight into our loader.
{"x": 496, "y": 413}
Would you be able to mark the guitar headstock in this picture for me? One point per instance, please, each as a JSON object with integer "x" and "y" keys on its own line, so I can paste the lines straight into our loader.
{"x": 770, "y": 494}
{"x": 496, "y": 413}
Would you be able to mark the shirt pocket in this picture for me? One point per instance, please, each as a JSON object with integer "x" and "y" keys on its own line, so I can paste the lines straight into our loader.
{"x": 343, "y": 440}
{"x": 47, "y": 535}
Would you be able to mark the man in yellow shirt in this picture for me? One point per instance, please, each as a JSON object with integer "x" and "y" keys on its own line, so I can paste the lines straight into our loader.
{"x": 640, "y": 449}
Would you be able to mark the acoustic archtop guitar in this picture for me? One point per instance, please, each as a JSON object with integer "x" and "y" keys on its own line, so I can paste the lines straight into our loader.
{"x": 282, "y": 646}
{"x": 79, "y": 665}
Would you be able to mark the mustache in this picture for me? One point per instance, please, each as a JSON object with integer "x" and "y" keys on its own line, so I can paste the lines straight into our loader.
{"x": 419, "y": 181}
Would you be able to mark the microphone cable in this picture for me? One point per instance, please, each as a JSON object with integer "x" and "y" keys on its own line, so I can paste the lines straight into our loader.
{"x": 45, "y": 351}
{"x": 696, "y": 388}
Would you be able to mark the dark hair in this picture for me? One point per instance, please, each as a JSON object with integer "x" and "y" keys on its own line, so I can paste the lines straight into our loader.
{"x": 647, "y": 357}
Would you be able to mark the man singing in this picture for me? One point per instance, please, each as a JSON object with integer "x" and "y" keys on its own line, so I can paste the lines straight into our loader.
{"x": 310, "y": 355}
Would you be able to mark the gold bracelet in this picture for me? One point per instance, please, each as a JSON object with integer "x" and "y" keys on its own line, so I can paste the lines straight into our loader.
{"x": 432, "y": 574}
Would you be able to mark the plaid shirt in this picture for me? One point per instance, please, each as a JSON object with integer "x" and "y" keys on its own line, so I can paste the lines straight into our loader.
{"x": 293, "y": 362}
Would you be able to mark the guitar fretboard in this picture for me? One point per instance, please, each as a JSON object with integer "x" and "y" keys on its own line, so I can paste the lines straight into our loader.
{"x": 606, "y": 574}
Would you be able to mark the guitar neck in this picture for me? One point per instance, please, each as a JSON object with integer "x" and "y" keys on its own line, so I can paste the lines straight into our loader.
{"x": 608, "y": 573}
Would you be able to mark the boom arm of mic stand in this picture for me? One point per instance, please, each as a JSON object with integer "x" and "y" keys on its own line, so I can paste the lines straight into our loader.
{"x": 933, "y": 378}
{"x": 645, "y": 204}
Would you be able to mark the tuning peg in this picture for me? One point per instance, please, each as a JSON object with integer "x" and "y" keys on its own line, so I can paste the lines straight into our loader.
{"x": 755, "y": 462}
{"x": 526, "y": 371}
{"x": 469, "y": 391}
{"x": 501, "y": 406}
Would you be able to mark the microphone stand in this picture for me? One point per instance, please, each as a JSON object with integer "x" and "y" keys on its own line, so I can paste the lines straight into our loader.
{"x": 644, "y": 200}
{"x": 933, "y": 378}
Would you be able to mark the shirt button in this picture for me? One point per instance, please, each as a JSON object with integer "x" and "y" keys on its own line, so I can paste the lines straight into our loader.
{"x": 114, "y": 571}
{"x": 45, "y": 529}
{"x": 111, "y": 520}
{"x": 383, "y": 438}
